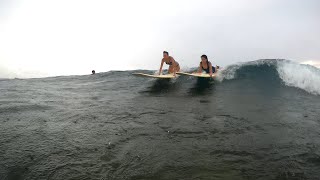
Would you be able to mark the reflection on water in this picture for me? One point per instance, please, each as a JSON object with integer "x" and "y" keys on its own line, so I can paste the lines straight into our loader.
{"x": 203, "y": 86}
{"x": 161, "y": 86}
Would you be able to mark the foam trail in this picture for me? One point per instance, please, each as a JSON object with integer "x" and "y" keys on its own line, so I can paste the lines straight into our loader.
{"x": 305, "y": 77}
{"x": 228, "y": 72}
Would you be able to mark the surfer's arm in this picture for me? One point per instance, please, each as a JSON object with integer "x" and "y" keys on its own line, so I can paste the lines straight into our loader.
{"x": 161, "y": 67}
{"x": 210, "y": 69}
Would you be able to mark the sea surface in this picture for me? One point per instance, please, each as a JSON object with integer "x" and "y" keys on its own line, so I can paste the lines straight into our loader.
{"x": 257, "y": 120}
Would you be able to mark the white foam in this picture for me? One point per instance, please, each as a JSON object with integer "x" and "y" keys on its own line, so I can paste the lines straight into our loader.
{"x": 314, "y": 63}
{"x": 305, "y": 77}
{"x": 228, "y": 72}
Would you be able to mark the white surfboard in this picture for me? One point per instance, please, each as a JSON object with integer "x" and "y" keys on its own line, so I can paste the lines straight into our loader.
{"x": 162, "y": 76}
{"x": 201, "y": 75}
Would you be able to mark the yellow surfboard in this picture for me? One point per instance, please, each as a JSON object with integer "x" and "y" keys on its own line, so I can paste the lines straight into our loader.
{"x": 162, "y": 76}
{"x": 201, "y": 75}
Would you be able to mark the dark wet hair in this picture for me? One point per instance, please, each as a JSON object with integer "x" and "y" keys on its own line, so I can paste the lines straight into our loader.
{"x": 166, "y": 52}
{"x": 93, "y": 71}
{"x": 204, "y": 56}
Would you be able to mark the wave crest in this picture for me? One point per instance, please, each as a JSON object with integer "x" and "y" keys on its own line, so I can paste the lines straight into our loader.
{"x": 292, "y": 74}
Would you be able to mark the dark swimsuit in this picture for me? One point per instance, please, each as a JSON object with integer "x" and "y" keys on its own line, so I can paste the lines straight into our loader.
{"x": 170, "y": 63}
{"x": 208, "y": 69}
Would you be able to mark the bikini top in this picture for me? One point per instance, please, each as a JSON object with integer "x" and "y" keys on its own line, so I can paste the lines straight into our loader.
{"x": 207, "y": 65}
{"x": 169, "y": 63}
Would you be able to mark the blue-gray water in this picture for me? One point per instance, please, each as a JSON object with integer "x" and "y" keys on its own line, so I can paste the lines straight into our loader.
{"x": 254, "y": 122}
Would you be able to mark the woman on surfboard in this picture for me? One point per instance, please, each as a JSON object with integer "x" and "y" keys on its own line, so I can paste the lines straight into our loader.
{"x": 173, "y": 65}
{"x": 206, "y": 65}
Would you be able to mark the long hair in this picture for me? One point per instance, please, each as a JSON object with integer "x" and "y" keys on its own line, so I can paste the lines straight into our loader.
{"x": 205, "y": 56}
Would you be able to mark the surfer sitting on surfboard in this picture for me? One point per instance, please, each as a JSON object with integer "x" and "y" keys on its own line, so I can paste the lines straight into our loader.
{"x": 173, "y": 65}
{"x": 206, "y": 66}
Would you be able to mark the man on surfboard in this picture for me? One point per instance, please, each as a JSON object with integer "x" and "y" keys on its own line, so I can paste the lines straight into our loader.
{"x": 173, "y": 65}
{"x": 206, "y": 65}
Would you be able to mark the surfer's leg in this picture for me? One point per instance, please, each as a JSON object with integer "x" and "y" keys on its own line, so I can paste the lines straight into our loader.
{"x": 178, "y": 68}
{"x": 170, "y": 70}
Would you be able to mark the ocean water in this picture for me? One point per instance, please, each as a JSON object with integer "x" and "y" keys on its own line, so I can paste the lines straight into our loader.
{"x": 256, "y": 120}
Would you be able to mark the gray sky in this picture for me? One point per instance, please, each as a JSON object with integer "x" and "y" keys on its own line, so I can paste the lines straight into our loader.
{"x": 62, "y": 37}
